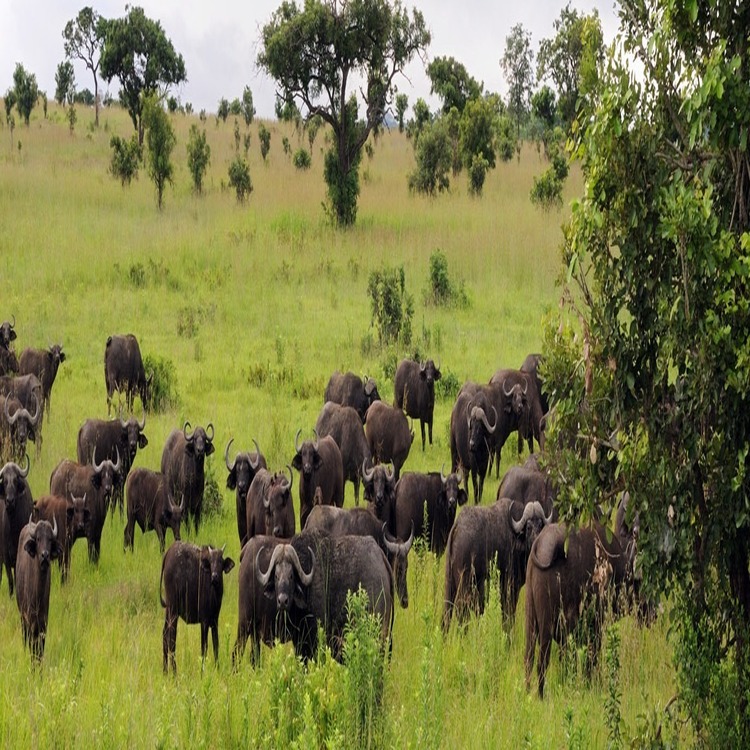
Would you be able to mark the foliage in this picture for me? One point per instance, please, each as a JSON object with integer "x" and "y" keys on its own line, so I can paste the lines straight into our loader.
{"x": 517, "y": 62}
{"x": 451, "y": 82}
{"x": 162, "y": 395}
{"x": 614, "y": 691}
{"x": 312, "y": 127}
{"x": 548, "y": 187}
{"x": 477, "y": 129}
{"x": 392, "y": 306}
{"x": 83, "y": 40}
{"x": 65, "y": 83}
{"x": 402, "y": 104}
{"x": 442, "y": 290}
{"x": 84, "y": 97}
{"x": 477, "y": 173}
{"x": 26, "y": 91}
{"x": 419, "y": 122}
{"x": 264, "y": 136}
{"x": 222, "y": 111}
{"x": 72, "y": 118}
{"x": 656, "y": 387}
{"x": 235, "y": 107}
{"x": 126, "y": 158}
{"x": 432, "y": 153}
{"x": 138, "y": 53}
{"x": 247, "y": 109}
{"x": 160, "y": 139}
{"x": 43, "y": 97}
{"x": 199, "y": 156}
{"x": 301, "y": 158}
{"x": 173, "y": 104}
{"x": 239, "y": 178}
{"x": 315, "y": 52}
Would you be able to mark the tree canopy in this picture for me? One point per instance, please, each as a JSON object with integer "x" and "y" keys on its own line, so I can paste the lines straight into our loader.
{"x": 651, "y": 379}
{"x": 138, "y": 53}
{"x": 83, "y": 38}
{"x": 65, "y": 83}
{"x": 452, "y": 83}
{"x": 517, "y": 64}
{"x": 330, "y": 58}
{"x": 26, "y": 91}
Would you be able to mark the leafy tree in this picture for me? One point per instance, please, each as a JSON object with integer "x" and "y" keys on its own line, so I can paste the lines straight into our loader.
{"x": 570, "y": 59}
{"x": 65, "y": 83}
{"x": 477, "y": 130}
{"x": 452, "y": 83}
{"x": 10, "y": 101}
{"x": 432, "y": 153}
{"x": 43, "y": 97}
{"x": 477, "y": 174}
{"x": 239, "y": 178}
{"x": 392, "y": 306}
{"x": 547, "y": 189}
{"x": 402, "y": 103}
{"x": 137, "y": 52}
{"x": 72, "y": 118}
{"x": 26, "y": 91}
{"x": 316, "y": 54}
{"x": 312, "y": 126}
{"x": 83, "y": 40}
{"x": 84, "y": 97}
{"x": 235, "y": 107}
{"x": 264, "y": 136}
{"x": 222, "y": 111}
{"x": 247, "y": 109}
{"x": 160, "y": 139}
{"x": 517, "y": 62}
{"x": 421, "y": 118}
{"x": 652, "y": 394}
{"x": 301, "y": 159}
{"x": 172, "y": 104}
{"x": 126, "y": 158}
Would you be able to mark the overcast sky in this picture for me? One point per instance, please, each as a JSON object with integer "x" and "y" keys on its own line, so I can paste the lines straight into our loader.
{"x": 219, "y": 41}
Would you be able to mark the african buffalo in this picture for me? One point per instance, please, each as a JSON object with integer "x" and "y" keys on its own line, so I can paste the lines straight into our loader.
{"x": 527, "y": 485}
{"x": 240, "y": 477}
{"x": 69, "y": 513}
{"x": 415, "y": 391}
{"x": 100, "y": 439}
{"x": 380, "y": 492}
{"x": 344, "y": 425}
{"x": 319, "y": 465}
{"x": 8, "y": 359}
{"x": 95, "y": 481}
{"x": 269, "y": 506}
{"x": 432, "y": 498}
{"x": 531, "y": 366}
{"x": 37, "y": 547}
{"x": 362, "y": 522}
{"x": 17, "y": 427}
{"x": 192, "y": 579}
{"x": 470, "y": 436}
{"x": 310, "y": 578}
{"x": 124, "y": 371}
{"x": 348, "y": 389}
{"x": 16, "y": 505}
{"x": 388, "y": 435}
{"x": 43, "y": 363}
{"x": 182, "y": 461}
{"x": 564, "y": 578}
{"x": 151, "y": 506}
{"x": 501, "y": 533}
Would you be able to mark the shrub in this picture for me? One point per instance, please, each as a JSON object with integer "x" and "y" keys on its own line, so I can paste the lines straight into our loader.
{"x": 264, "y": 136}
{"x": 126, "y": 157}
{"x": 447, "y": 387}
{"x": 432, "y": 152}
{"x": 212, "y": 497}
{"x": 199, "y": 156}
{"x": 302, "y": 159}
{"x": 392, "y": 307}
{"x": 163, "y": 392}
{"x": 239, "y": 178}
{"x": 441, "y": 290}
{"x": 477, "y": 173}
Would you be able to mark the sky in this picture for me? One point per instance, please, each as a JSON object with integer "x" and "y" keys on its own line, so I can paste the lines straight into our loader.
{"x": 219, "y": 41}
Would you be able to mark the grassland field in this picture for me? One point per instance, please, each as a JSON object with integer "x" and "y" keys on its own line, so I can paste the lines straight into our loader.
{"x": 256, "y": 305}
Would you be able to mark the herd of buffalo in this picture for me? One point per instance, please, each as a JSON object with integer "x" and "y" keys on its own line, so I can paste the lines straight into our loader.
{"x": 291, "y": 582}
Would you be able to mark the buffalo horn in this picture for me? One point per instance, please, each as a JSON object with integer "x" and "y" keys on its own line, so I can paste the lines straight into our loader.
{"x": 530, "y": 510}
{"x": 315, "y": 444}
{"x": 255, "y": 462}
{"x": 8, "y": 417}
{"x": 32, "y": 525}
{"x": 37, "y": 412}
{"x": 286, "y": 485}
{"x": 226, "y": 456}
{"x": 367, "y": 475}
{"x": 24, "y": 472}
{"x": 142, "y": 425}
{"x": 443, "y": 478}
{"x": 398, "y": 548}
{"x": 189, "y": 437}
{"x": 117, "y": 464}
{"x": 296, "y": 441}
{"x": 54, "y": 526}
{"x": 547, "y": 519}
{"x": 460, "y": 475}
{"x": 182, "y": 502}
{"x": 123, "y": 422}
{"x": 264, "y": 578}
{"x": 390, "y": 474}
{"x": 525, "y": 386}
{"x": 13, "y": 324}
{"x": 486, "y": 422}
{"x": 305, "y": 578}
{"x": 507, "y": 393}
{"x": 210, "y": 426}
{"x": 421, "y": 366}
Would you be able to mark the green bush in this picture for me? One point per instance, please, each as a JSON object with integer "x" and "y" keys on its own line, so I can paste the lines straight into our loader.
{"x": 392, "y": 307}
{"x": 264, "y": 136}
{"x": 199, "y": 156}
{"x": 441, "y": 290}
{"x": 163, "y": 391}
{"x": 301, "y": 159}
{"x": 126, "y": 158}
{"x": 212, "y": 497}
{"x": 239, "y": 178}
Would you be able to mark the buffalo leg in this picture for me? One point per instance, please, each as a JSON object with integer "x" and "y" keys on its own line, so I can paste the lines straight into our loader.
{"x": 421, "y": 424}
{"x": 204, "y": 641}
{"x": 429, "y": 429}
{"x": 545, "y": 646}
{"x": 169, "y": 640}
{"x": 215, "y": 639}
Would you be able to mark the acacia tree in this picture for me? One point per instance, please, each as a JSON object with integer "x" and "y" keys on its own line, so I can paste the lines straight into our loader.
{"x": 160, "y": 139}
{"x": 137, "y": 52}
{"x": 65, "y": 83}
{"x": 26, "y": 91}
{"x": 84, "y": 37}
{"x": 517, "y": 64}
{"x": 652, "y": 393}
{"x": 450, "y": 81}
{"x": 317, "y": 53}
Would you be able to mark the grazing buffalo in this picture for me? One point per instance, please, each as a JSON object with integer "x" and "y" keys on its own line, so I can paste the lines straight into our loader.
{"x": 95, "y": 481}
{"x": 415, "y": 391}
{"x": 388, "y": 435}
{"x": 427, "y": 503}
{"x": 310, "y": 578}
{"x": 16, "y": 505}
{"x": 319, "y": 465}
{"x": 344, "y": 425}
{"x": 43, "y": 363}
{"x": 348, "y": 389}
{"x": 241, "y": 475}
{"x": 182, "y": 461}
{"x": 37, "y": 547}
{"x": 17, "y": 427}
{"x": 151, "y": 506}
{"x": 380, "y": 492}
{"x": 471, "y": 434}
{"x": 192, "y": 582}
{"x": 100, "y": 439}
{"x": 501, "y": 533}
{"x": 564, "y": 578}
{"x": 525, "y": 485}
{"x": 69, "y": 513}
{"x": 124, "y": 371}
{"x": 531, "y": 366}
{"x": 361, "y": 522}
{"x": 8, "y": 359}
{"x": 269, "y": 506}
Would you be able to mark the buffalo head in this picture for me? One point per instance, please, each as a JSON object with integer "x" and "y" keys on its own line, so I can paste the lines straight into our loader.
{"x": 479, "y": 427}
{"x": 77, "y": 517}
{"x": 213, "y": 565}
{"x": 516, "y": 401}
{"x": 379, "y": 484}
{"x": 199, "y": 443}
{"x": 7, "y": 333}
{"x": 285, "y": 580}
{"x": 13, "y": 484}
{"x": 276, "y": 502}
{"x": 42, "y": 542}
{"x": 306, "y": 459}
{"x": 453, "y": 494}
{"x": 132, "y": 436}
{"x": 398, "y": 553}
{"x": 532, "y": 521}
{"x": 429, "y": 373}
{"x": 243, "y": 468}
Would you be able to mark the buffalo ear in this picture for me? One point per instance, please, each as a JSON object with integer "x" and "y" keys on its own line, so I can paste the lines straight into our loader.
{"x": 69, "y": 511}
{"x": 423, "y": 374}
{"x": 12, "y": 336}
{"x": 142, "y": 441}
{"x": 228, "y": 564}
{"x": 297, "y": 462}
{"x": 437, "y": 375}
{"x": 462, "y": 497}
{"x": 270, "y": 591}
{"x": 56, "y": 551}
{"x": 30, "y": 547}
{"x": 209, "y": 448}
{"x": 32, "y": 435}
{"x": 232, "y": 480}
{"x": 62, "y": 356}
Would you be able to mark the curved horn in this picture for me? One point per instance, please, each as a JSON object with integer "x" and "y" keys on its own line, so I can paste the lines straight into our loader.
{"x": 507, "y": 393}
{"x": 223, "y": 547}
{"x": 54, "y": 526}
{"x": 24, "y": 472}
{"x": 296, "y": 441}
{"x": 189, "y": 437}
{"x": 142, "y": 425}
{"x": 254, "y": 463}
{"x": 10, "y": 419}
{"x": 37, "y": 414}
{"x": 486, "y": 423}
{"x": 443, "y": 478}
{"x": 305, "y": 578}
{"x": 123, "y": 422}
{"x": 182, "y": 502}
{"x": 117, "y": 464}
{"x": 525, "y": 386}
{"x": 547, "y": 519}
{"x": 421, "y": 366}
{"x": 528, "y": 513}
{"x": 210, "y": 426}
{"x": 32, "y": 525}
{"x": 264, "y": 578}
{"x": 398, "y": 548}
{"x": 460, "y": 475}
{"x": 13, "y": 324}
{"x": 390, "y": 474}
{"x": 315, "y": 444}
{"x": 226, "y": 456}
{"x": 367, "y": 475}
{"x": 97, "y": 467}
{"x": 287, "y": 484}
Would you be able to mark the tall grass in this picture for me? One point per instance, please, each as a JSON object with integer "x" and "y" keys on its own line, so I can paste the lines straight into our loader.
{"x": 255, "y": 306}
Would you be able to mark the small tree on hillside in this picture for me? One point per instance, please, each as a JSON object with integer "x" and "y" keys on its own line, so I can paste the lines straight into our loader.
{"x": 126, "y": 158}
{"x": 402, "y": 104}
{"x": 160, "y": 139}
{"x": 199, "y": 156}
{"x": 26, "y": 91}
{"x": 84, "y": 38}
{"x": 433, "y": 160}
{"x": 239, "y": 178}
{"x": 247, "y": 108}
{"x": 222, "y": 111}
{"x": 452, "y": 83}
{"x": 65, "y": 83}
{"x": 264, "y": 136}
{"x": 517, "y": 64}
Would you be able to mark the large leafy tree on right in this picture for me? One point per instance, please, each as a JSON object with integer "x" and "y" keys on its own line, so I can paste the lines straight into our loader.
{"x": 651, "y": 371}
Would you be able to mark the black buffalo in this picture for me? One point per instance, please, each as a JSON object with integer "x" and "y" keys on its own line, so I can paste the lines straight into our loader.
{"x": 526, "y": 485}
{"x": 388, "y": 435}
{"x": 124, "y": 371}
{"x": 151, "y": 506}
{"x": 380, "y": 493}
{"x": 72, "y": 515}
{"x": 415, "y": 391}
{"x": 8, "y": 359}
{"x": 428, "y": 503}
{"x": 531, "y": 366}
{"x": 192, "y": 582}
{"x": 241, "y": 474}
{"x": 319, "y": 465}
{"x": 16, "y": 505}
{"x": 349, "y": 389}
{"x": 501, "y": 534}
{"x": 37, "y": 547}
{"x": 17, "y": 427}
{"x": 182, "y": 462}
{"x": 43, "y": 363}
{"x": 344, "y": 425}
{"x": 269, "y": 506}
{"x": 471, "y": 434}
{"x": 564, "y": 577}
{"x": 95, "y": 481}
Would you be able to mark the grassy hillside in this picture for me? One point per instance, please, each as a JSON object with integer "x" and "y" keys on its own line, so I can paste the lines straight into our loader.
{"x": 255, "y": 305}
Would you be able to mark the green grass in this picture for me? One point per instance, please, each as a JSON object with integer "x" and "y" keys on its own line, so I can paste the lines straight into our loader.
{"x": 256, "y": 305}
